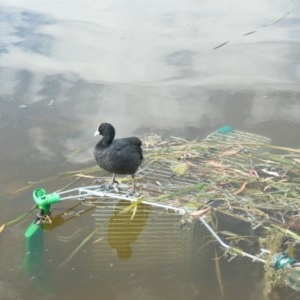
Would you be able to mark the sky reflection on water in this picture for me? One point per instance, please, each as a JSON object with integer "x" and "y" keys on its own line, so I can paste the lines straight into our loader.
{"x": 143, "y": 42}
{"x": 179, "y": 68}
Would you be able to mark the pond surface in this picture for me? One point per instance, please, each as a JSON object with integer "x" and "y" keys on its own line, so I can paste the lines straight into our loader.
{"x": 179, "y": 68}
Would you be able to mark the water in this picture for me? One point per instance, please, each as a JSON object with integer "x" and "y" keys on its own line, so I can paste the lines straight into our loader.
{"x": 179, "y": 68}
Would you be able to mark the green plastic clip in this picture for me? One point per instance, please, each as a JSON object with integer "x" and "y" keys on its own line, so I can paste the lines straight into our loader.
{"x": 44, "y": 200}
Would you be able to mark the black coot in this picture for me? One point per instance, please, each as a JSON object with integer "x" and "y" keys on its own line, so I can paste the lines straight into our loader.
{"x": 117, "y": 156}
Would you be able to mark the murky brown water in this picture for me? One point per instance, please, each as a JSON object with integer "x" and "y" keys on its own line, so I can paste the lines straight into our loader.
{"x": 180, "y": 68}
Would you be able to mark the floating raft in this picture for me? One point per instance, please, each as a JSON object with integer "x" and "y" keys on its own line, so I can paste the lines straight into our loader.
{"x": 246, "y": 187}
{"x": 238, "y": 176}
{"x": 228, "y": 169}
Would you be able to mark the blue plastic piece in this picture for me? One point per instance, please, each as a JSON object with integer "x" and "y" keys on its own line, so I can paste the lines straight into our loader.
{"x": 225, "y": 129}
{"x": 281, "y": 260}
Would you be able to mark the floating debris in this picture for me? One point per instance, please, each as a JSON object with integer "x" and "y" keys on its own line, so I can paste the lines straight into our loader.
{"x": 180, "y": 168}
{"x": 248, "y": 33}
{"x": 2, "y": 227}
{"x": 250, "y": 188}
{"x": 221, "y": 45}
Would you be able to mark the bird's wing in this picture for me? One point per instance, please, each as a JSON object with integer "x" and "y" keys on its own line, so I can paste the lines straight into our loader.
{"x": 120, "y": 144}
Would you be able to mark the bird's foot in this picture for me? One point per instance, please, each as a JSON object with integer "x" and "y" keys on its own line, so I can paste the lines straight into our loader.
{"x": 113, "y": 186}
{"x": 132, "y": 193}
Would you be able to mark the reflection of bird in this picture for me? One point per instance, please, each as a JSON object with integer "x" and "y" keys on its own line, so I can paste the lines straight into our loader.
{"x": 117, "y": 156}
{"x": 124, "y": 228}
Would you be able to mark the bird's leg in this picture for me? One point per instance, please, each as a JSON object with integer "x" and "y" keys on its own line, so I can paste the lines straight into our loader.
{"x": 133, "y": 183}
{"x": 133, "y": 192}
{"x": 113, "y": 182}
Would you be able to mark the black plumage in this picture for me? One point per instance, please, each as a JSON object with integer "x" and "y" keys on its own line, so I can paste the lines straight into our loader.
{"x": 117, "y": 156}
